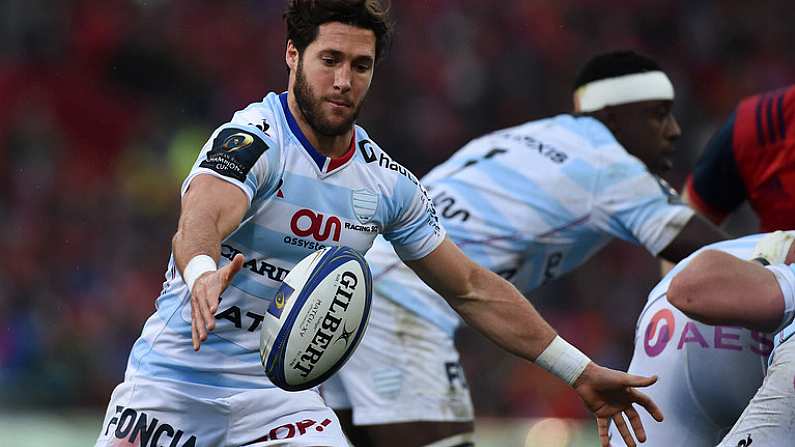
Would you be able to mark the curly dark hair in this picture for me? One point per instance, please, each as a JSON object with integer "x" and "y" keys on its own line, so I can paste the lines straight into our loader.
{"x": 303, "y": 18}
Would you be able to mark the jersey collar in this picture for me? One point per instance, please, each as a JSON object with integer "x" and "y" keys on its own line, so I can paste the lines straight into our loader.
{"x": 325, "y": 165}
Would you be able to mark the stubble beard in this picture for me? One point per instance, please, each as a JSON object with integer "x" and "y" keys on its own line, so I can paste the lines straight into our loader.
{"x": 310, "y": 106}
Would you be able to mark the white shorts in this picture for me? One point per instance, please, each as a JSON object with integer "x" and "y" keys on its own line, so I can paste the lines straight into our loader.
{"x": 770, "y": 417}
{"x": 404, "y": 370}
{"x": 150, "y": 413}
{"x": 707, "y": 375}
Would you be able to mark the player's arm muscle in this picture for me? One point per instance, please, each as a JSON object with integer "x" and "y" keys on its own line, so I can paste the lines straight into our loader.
{"x": 696, "y": 233}
{"x": 718, "y": 288}
{"x": 211, "y": 209}
{"x": 485, "y": 301}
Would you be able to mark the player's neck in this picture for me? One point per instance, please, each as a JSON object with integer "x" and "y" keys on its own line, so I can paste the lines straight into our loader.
{"x": 331, "y": 147}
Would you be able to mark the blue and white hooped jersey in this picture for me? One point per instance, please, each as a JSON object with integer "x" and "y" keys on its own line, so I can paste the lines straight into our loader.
{"x": 300, "y": 201}
{"x": 742, "y": 248}
{"x": 533, "y": 202}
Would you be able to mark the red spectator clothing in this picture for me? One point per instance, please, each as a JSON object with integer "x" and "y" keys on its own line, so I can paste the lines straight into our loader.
{"x": 752, "y": 157}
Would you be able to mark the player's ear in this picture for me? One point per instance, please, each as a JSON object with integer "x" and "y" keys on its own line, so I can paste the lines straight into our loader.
{"x": 291, "y": 56}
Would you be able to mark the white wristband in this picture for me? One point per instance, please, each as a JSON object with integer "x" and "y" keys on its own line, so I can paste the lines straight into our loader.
{"x": 785, "y": 276}
{"x": 197, "y": 266}
{"x": 563, "y": 360}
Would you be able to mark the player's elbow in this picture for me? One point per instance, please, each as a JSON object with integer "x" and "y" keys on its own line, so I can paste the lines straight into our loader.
{"x": 681, "y": 293}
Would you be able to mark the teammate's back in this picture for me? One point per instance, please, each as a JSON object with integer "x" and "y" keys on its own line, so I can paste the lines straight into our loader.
{"x": 533, "y": 202}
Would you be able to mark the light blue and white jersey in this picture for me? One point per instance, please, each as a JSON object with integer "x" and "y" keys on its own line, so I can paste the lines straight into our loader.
{"x": 300, "y": 201}
{"x": 741, "y": 248}
{"x": 533, "y": 202}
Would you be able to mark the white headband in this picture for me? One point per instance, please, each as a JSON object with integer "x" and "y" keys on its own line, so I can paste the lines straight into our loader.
{"x": 650, "y": 85}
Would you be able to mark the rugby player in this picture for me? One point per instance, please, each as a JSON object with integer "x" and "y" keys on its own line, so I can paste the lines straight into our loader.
{"x": 285, "y": 177}
{"x": 530, "y": 203}
{"x": 749, "y": 159}
{"x": 707, "y": 372}
{"x": 719, "y": 287}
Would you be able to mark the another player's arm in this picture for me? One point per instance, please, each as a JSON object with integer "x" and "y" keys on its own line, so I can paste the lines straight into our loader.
{"x": 698, "y": 205}
{"x": 494, "y": 307}
{"x": 211, "y": 209}
{"x": 718, "y": 288}
{"x": 696, "y": 233}
{"x": 715, "y": 188}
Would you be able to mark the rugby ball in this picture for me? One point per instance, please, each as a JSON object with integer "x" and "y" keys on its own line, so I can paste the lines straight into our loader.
{"x": 316, "y": 318}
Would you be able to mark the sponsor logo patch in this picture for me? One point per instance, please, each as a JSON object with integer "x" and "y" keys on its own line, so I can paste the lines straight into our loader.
{"x": 234, "y": 153}
{"x": 662, "y": 330}
{"x": 665, "y": 320}
{"x": 306, "y": 222}
{"x": 291, "y": 430}
{"x": 279, "y": 301}
{"x": 141, "y": 429}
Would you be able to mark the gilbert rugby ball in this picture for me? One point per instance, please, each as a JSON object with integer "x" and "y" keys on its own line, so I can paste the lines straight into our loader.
{"x": 316, "y": 318}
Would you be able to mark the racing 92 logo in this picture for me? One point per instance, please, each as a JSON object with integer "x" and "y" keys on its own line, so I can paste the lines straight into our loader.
{"x": 309, "y": 223}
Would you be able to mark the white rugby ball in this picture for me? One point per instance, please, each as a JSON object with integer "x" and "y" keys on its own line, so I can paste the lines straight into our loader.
{"x": 316, "y": 319}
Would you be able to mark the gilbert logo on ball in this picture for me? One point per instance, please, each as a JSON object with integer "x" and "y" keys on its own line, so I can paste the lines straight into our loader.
{"x": 316, "y": 318}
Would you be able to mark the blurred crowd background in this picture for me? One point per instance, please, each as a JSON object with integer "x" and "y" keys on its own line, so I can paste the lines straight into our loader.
{"x": 105, "y": 104}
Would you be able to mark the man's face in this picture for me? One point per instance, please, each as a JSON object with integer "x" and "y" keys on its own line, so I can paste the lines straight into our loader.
{"x": 330, "y": 78}
{"x": 647, "y": 130}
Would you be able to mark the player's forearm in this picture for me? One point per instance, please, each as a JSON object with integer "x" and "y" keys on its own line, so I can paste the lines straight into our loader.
{"x": 696, "y": 233}
{"x": 718, "y": 288}
{"x": 495, "y": 308}
{"x": 196, "y": 235}
{"x": 211, "y": 210}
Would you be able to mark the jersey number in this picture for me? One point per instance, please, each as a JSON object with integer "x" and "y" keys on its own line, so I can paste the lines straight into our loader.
{"x": 488, "y": 155}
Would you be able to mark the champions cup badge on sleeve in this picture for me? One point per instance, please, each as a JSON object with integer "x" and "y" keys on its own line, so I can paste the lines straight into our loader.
{"x": 364, "y": 204}
{"x": 238, "y": 141}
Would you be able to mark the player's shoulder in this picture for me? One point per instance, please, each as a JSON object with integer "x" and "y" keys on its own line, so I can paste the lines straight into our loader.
{"x": 377, "y": 161}
{"x": 579, "y": 136}
{"x": 761, "y": 119}
{"x": 742, "y": 247}
{"x": 265, "y": 116}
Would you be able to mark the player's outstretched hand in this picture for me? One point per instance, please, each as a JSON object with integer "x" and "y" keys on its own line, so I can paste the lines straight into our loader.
{"x": 205, "y": 297}
{"x": 610, "y": 395}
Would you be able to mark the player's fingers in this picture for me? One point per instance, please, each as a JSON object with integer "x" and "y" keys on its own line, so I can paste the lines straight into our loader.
{"x": 640, "y": 381}
{"x": 232, "y": 268}
{"x": 197, "y": 302}
{"x": 603, "y": 427}
{"x": 636, "y": 423}
{"x": 194, "y": 334}
{"x": 203, "y": 301}
{"x": 647, "y": 403}
{"x": 618, "y": 419}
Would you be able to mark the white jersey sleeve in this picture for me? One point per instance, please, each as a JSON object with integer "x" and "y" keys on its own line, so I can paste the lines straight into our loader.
{"x": 413, "y": 226}
{"x": 242, "y": 154}
{"x": 636, "y": 206}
